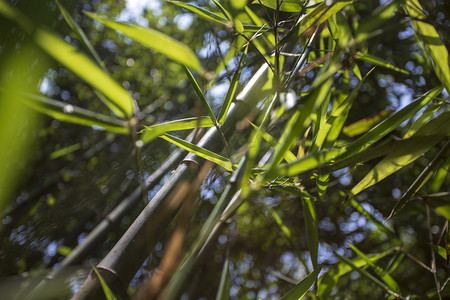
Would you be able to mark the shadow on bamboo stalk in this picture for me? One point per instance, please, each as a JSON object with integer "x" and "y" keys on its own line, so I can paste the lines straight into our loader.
{"x": 124, "y": 260}
{"x": 187, "y": 193}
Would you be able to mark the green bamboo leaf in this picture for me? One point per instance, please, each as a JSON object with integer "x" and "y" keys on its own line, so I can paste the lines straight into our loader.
{"x": 201, "y": 12}
{"x": 237, "y": 44}
{"x": 371, "y": 25}
{"x": 440, "y": 204}
{"x": 312, "y": 231}
{"x": 440, "y": 251}
{"x": 322, "y": 185}
{"x": 152, "y": 132}
{"x": 356, "y": 70}
{"x": 157, "y": 41}
{"x": 280, "y": 223}
{"x": 320, "y": 14}
{"x": 320, "y": 119}
{"x": 18, "y": 123}
{"x": 367, "y": 275}
{"x": 330, "y": 130}
{"x": 426, "y": 174}
{"x": 438, "y": 179}
{"x": 254, "y": 145}
{"x": 302, "y": 118}
{"x": 288, "y": 156}
{"x": 285, "y": 5}
{"x": 260, "y": 23}
{"x": 378, "y": 62}
{"x": 64, "y": 250}
{"x": 73, "y": 114}
{"x": 402, "y": 155}
{"x": 328, "y": 281}
{"x": 364, "y": 125}
{"x": 391, "y": 123}
{"x": 202, "y": 152}
{"x": 306, "y": 163}
{"x": 378, "y": 270}
{"x": 217, "y": 18}
{"x": 238, "y": 4}
{"x": 374, "y": 220}
{"x": 424, "y": 117}
{"x": 81, "y": 35}
{"x": 431, "y": 40}
{"x": 236, "y": 23}
{"x": 291, "y": 190}
{"x": 200, "y": 94}
{"x": 298, "y": 291}
{"x": 396, "y": 262}
{"x": 106, "y": 289}
{"x": 223, "y": 10}
{"x": 65, "y": 151}
{"x": 223, "y": 293}
{"x": 118, "y": 99}
{"x": 232, "y": 89}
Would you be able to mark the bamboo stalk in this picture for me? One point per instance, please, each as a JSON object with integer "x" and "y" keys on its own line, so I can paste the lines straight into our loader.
{"x": 108, "y": 223}
{"x": 121, "y": 264}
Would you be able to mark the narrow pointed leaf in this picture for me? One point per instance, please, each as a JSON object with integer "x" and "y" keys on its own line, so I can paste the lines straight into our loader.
{"x": 117, "y": 98}
{"x": 280, "y": 223}
{"x": 301, "y": 149}
{"x": 391, "y": 123}
{"x": 440, "y": 204}
{"x": 223, "y": 10}
{"x": 223, "y": 293}
{"x": 73, "y": 114}
{"x": 204, "y": 153}
{"x": 289, "y": 156}
{"x": 201, "y": 12}
{"x": 152, "y": 132}
{"x": 312, "y": 231}
{"x": 109, "y": 295}
{"x": 438, "y": 179}
{"x": 298, "y": 291}
{"x": 364, "y": 125}
{"x": 260, "y": 23}
{"x": 329, "y": 280}
{"x": 378, "y": 270}
{"x": 378, "y": 62}
{"x": 232, "y": 89}
{"x": 424, "y": 117}
{"x": 232, "y": 52}
{"x": 320, "y": 14}
{"x": 431, "y": 41}
{"x": 376, "y": 20}
{"x": 359, "y": 208}
{"x": 302, "y": 118}
{"x": 284, "y": 5}
{"x": 367, "y": 275}
{"x": 429, "y": 135}
{"x": 254, "y": 146}
{"x": 65, "y": 151}
{"x": 200, "y": 94}
{"x": 155, "y": 40}
{"x": 426, "y": 174}
{"x": 330, "y": 130}
{"x": 80, "y": 34}
{"x": 307, "y": 163}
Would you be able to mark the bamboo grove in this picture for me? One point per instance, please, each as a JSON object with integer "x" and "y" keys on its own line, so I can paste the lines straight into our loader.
{"x": 309, "y": 158}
